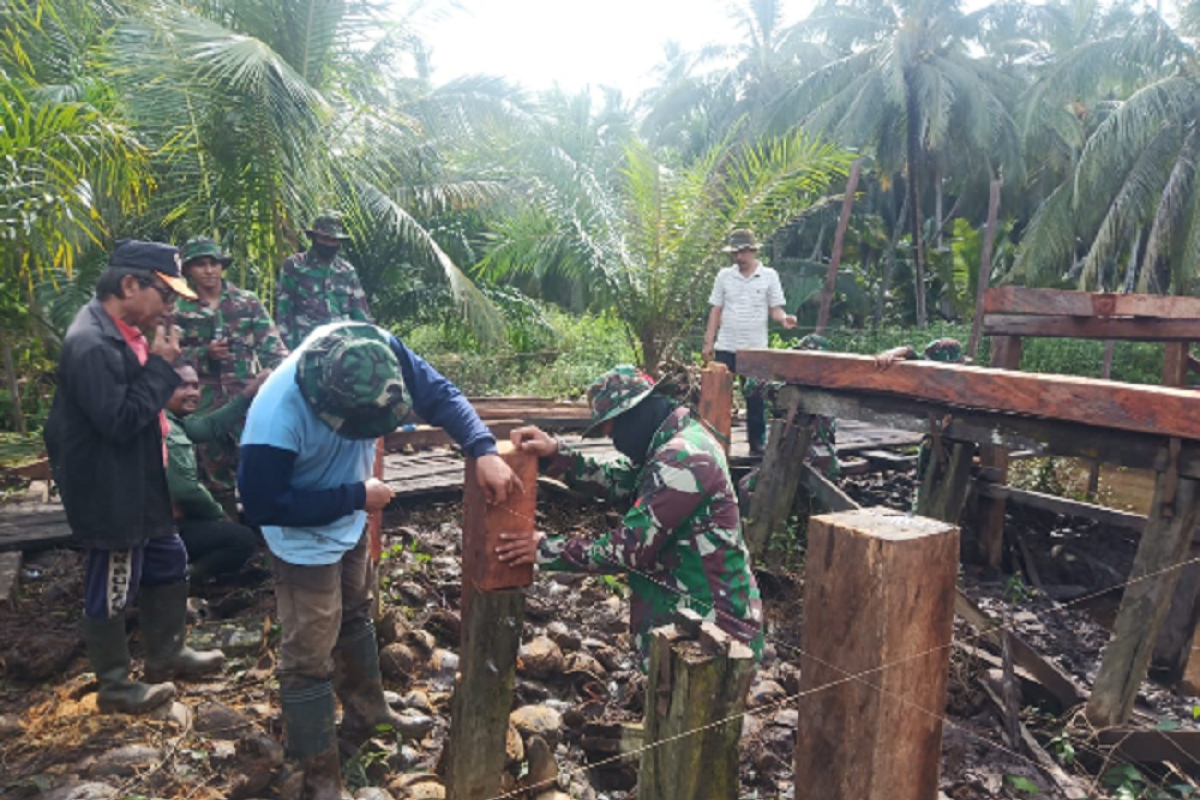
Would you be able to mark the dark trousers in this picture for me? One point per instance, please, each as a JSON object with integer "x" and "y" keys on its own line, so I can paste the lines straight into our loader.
{"x": 216, "y": 546}
{"x": 756, "y": 406}
{"x": 113, "y": 576}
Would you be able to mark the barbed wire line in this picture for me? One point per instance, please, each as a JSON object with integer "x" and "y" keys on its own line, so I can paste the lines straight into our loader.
{"x": 861, "y": 676}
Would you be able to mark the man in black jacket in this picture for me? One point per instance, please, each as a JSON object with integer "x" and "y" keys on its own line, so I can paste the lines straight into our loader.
{"x": 105, "y": 440}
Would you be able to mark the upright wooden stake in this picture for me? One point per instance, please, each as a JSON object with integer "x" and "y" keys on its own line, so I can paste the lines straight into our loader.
{"x": 1006, "y": 354}
{"x": 694, "y": 684}
{"x": 839, "y": 237}
{"x": 1146, "y": 600}
{"x": 716, "y": 401}
{"x": 943, "y": 490}
{"x": 779, "y": 477}
{"x": 879, "y": 607}
{"x": 493, "y": 616}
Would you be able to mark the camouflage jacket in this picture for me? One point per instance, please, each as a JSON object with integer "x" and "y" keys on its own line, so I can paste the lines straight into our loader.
{"x": 254, "y": 342}
{"x": 311, "y": 294}
{"x": 681, "y": 541}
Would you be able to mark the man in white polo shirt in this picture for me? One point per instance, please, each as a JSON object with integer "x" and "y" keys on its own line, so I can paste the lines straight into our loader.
{"x": 744, "y": 296}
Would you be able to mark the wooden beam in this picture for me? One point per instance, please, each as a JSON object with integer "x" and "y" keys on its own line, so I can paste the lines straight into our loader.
{"x": 879, "y": 607}
{"x": 1055, "y": 302}
{"x": 1153, "y": 745}
{"x": 1126, "y": 328}
{"x": 716, "y": 401}
{"x": 1145, "y": 601}
{"x": 825, "y": 491}
{"x": 425, "y": 436}
{"x": 1061, "y": 505}
{"x": 943, "y": 490}
{"x": 695, "y": 696}
{"x": 778, "y": 481}
{"x": 1154, "y": 410}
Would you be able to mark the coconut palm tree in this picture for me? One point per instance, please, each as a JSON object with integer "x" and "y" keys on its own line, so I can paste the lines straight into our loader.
{"x": 911, "y": 92}
{"x": 646, "y": 234}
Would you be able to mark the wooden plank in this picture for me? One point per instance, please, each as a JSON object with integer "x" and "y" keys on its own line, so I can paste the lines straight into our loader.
{"x": 1145, "y": 602}
{"x": 1124, "y": 328}
{"x": 943, "y": 490}
{"x": 1153, "y": 745}
{"x": 1063, "y": 686}
{"x": 483, "y": 522}
{"x": 1045, "y": 437}
{"x": 879, "y": 605}
{"x": 695, "y": 696}
{"x": 479, "y": 709}
{"x": 33, "y": 526}
{"x": 825, "y": 491}
{"x": 1155, "y": 410}
{"x": 10, "y": 575}
{"x": 1061, "y": 505}
{"x": 778, "y": 480}
{"x": 426, "y": 436}
{"x": 1051, "y": 302}
{"x": 716, "y": 401}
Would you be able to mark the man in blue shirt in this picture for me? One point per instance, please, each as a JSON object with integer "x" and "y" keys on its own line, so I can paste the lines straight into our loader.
{"x": 305, "y": 478}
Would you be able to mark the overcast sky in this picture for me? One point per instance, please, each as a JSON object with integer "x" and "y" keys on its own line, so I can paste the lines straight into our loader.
{"x": 577, "y": 43}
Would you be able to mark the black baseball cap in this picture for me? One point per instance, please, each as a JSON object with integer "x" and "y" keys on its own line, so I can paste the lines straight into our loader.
{"x": 161, "y": 259}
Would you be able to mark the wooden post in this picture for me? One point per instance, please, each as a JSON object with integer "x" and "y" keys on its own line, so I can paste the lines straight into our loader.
{"x": 716, "y": 401}
{"x": 1146, "y": 600}
{"x": 879, "y": 605}
{"x": 694, "y": 682}
{"x": 493, "y": 611}
{"x": 839, "y": 237}
{"x": 1006, "y": 354}
{"x": 943, "y": 489}
{"x": 780, "y": 475}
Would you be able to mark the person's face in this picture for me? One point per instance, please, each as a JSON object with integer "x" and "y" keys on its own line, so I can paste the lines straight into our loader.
{"x": 204, "y": 272}
{"x": 187, "y": 394}
{"x": 147, "y": 300}
{"x": 745, "y": 257}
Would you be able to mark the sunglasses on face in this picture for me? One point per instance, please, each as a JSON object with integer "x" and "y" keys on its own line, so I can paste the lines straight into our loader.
{"x": 167, "y": 295}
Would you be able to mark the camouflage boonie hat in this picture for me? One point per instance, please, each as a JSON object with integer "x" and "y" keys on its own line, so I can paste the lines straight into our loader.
{"x": 352, "y": 380}
{"x": 947, "y": 350}
{"x": 615, "y": 392}
{"x": 329, "y": 224}
{"x": 813, "y": 341}
{"x": 741, "y": 239}
{"x": 201, "y": 246}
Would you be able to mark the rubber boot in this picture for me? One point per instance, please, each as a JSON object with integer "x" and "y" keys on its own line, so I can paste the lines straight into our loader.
{"x": 108, "y": 652}
{"x": 359, "y": 684}
{"x": 311, "y": 734}
{"x": 163, "y": 615}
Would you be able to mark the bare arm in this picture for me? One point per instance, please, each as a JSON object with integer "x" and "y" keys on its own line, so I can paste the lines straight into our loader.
{"x": 710, "y": 333}
{"x": 786, "y": 320}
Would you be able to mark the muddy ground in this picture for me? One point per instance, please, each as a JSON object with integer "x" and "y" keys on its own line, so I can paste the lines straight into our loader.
{"x": 577, "y": 675}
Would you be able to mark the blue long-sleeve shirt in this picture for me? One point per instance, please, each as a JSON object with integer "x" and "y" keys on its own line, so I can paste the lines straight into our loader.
{"x": 305, "y": 485}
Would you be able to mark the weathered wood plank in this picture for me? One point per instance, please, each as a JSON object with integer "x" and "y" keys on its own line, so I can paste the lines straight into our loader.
{"x": 1044, "y": 437}
{"x": 1145, "y": 602}
{"x": 1050, "y": 302}
{"x": 483, "y": 522}
{"x": 943, "y": 490}
{"x": 10, "y": 575}
{"x": 1153, "y": 745}
{"x": 1061, "y": 505}
{"x": 1123, "y": 328}
{"x": 825, "y": 491}
{"x": 879, "y": 605}
{"x": 33, "y": 526}
{"x": 1154, "y": 410}
{"x": 716, "y": 401}
{"x": 778, "y": 481}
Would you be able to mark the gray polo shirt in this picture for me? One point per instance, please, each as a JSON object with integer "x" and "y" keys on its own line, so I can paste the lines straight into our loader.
{"x": 746, "y": 304}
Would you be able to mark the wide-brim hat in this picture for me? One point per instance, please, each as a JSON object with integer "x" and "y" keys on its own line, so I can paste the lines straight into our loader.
{"x": 741, "y": 239}
{"x": 352, "y": 379}
{"x": 201, "y": 247}
{"x": 615, "y": 392}
{"x": 153, "y": 257}
{"x": 328, "y": 224}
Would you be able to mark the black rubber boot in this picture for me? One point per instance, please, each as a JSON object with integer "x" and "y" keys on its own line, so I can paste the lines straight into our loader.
{"x": 163, "y": 616}
{"x": 108, "y": 652}
{"x": 311, "y": 734}
{"x": 359, "y": 683}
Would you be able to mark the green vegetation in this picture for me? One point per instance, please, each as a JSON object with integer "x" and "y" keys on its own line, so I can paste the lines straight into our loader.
{"x": 525, "y": 242}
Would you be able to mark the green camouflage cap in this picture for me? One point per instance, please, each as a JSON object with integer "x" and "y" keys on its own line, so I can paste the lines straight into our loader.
{"x": 352, "y": 379}
{"x": 814, "y": 341}
{"x": 329, "y": 224}
{"x": 201, "y": 246}
{"x": 947, "y": 350}
{"x": 615, "y": 392}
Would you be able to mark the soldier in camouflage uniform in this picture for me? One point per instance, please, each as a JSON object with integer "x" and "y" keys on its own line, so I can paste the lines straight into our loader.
{"x": 318, "y": 286}
{"x": 681, "y": 539}
{"x": 228, "y": 337}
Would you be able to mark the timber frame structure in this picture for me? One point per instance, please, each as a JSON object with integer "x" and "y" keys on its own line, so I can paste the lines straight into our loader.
{"x": 999, "y": 409}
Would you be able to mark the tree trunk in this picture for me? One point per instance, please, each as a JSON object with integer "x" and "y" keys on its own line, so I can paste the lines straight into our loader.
{"x": 889, "y": 262}
{"x": 14, "y": 389}
{"x": 938, "y": 201}
{"x": 985, "y": 263}
{"x": 839, "y": 238}
{"x": 913, "y": 136}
